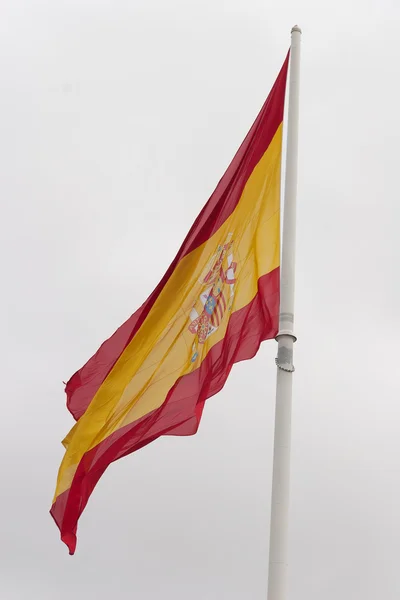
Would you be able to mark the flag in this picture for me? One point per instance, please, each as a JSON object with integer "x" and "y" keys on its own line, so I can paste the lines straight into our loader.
{"x": 217, "y": 302}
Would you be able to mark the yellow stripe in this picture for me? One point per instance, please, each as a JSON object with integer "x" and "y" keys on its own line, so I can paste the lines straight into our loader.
{"x": 161, "y": 350}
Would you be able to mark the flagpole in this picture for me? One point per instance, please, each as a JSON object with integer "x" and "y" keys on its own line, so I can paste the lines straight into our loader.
{"x": 278, "y": 548}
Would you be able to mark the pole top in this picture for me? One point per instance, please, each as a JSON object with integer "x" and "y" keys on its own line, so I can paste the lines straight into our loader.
{"x": 296, "y": 29}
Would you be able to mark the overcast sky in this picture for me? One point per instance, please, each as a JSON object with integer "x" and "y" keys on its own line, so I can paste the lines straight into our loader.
{"x": 117, "y": 120}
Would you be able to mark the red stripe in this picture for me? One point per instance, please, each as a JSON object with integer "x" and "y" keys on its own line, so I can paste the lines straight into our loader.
{"x": 181, "y": 411}
{"x": 84, "y": 384}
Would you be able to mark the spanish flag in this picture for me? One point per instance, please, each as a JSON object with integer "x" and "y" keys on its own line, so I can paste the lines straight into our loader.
{"x": 216, "y": 303}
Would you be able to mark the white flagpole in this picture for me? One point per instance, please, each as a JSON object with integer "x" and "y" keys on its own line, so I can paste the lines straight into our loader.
{"x": 278, "y": 548}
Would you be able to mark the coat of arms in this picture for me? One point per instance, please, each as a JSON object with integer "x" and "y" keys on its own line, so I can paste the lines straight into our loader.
{"x": 216, "y": 297}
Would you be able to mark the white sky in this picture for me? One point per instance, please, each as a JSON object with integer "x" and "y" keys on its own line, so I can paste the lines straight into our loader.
{"x": 117, "y": 120}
